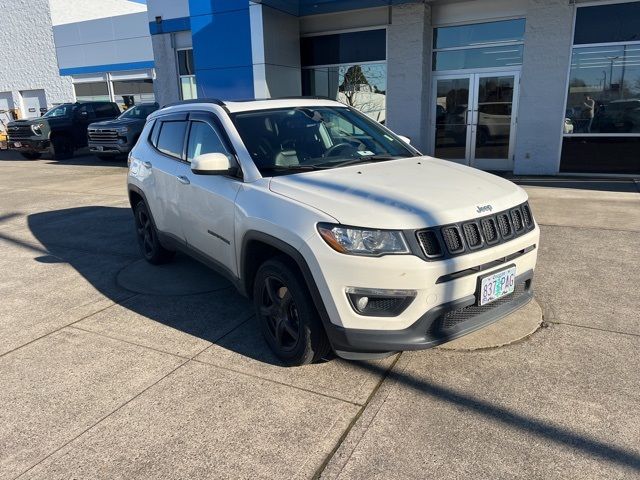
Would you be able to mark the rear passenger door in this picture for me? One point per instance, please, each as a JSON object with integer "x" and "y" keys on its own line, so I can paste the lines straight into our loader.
{"x": 169, "y": 171}
{"x": 209, "y": 200}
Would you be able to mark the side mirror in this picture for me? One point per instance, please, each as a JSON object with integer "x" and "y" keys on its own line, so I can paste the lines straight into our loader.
{"x": 405, "y": 139}
{"x": 212, "y": 164}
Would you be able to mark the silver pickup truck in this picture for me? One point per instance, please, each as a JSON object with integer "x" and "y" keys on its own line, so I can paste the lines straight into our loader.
{"x": 113, "y": 138}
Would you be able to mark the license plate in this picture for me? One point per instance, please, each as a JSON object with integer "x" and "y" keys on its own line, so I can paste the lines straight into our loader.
{"x": 497, "y": 285}
{"x": 98, "y": 148}
{"x": 17, "y": 145}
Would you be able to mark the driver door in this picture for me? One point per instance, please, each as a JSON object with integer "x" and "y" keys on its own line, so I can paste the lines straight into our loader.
{"x": 208, "y": 201}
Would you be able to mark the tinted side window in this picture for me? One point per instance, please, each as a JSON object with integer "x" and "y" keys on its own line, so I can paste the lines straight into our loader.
{"x": 204, "y": 139}
{"x": 104, "y": 110}
{"x": 171, "y": 138}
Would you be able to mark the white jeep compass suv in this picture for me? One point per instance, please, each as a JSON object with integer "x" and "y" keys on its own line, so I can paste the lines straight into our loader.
{"x": 343, "y": 235}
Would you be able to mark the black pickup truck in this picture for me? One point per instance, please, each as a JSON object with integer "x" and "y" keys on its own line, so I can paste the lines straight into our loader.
{"x": 61, "y": 131}
{"x": 112, "y": 138}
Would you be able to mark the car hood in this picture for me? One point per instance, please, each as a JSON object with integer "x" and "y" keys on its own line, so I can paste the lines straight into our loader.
{"x": 407, "y": 193}
{"x": 123, "y": 122}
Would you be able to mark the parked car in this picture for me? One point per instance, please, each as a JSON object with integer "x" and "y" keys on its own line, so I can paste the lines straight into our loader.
{"x": 61, "y": 131}
{"x": 112, "y": 138}
{"x": 343, "y": 235}
{"x": 619, "y": 116}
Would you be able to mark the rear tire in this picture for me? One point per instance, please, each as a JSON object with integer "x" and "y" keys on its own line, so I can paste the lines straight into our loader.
{"x": 31, "y": 155}
{"x": 287, "y": 315}
{"x": 148, "y": 241}
{"x": 62, "y": 148}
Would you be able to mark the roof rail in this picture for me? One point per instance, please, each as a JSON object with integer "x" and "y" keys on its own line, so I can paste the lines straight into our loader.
{"x": 215, "y": 101}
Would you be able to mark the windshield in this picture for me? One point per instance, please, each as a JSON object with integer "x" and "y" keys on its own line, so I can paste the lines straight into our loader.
{"x": 305, "y": 138}
{"x": 139, "y": 111}
{"x": 63, "y": 110}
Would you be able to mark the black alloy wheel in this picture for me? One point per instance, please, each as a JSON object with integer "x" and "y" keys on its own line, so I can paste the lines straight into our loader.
{"x": 147, "y": 235}
{"x": 281, "y": 314}
{"x": 287, "y": 315}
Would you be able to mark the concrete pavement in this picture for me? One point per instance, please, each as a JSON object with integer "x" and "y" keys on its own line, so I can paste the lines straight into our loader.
{"x": 103, "y": 378}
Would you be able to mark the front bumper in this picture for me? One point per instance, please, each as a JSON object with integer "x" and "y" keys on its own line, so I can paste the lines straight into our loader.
{"x": 27, "y": 145}
{"x": 109, "y": 148}
{"x": 438, "y": 325}
{"x": 442, "y": 286}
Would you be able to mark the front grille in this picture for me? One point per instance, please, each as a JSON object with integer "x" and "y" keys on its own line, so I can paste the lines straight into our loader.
{"x": 472, "y": 235}
{"x": 103, "y": 135}
{"x": 20, "y": 132}
{"x": 430, "y": 244}
{"x": 454, "y": 317}
{"x": 452, "y": 239}
{"x": 460, "y": 238}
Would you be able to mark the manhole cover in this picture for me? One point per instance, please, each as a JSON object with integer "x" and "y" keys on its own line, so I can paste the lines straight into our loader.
{"x": 182, "y": 276}
{"x": 517, "y": 326}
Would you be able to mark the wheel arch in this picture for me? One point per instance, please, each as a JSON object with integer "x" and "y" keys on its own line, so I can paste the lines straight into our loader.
{"x": 257, "y": 247}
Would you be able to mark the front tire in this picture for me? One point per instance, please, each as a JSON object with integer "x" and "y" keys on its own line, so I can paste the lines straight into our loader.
{"x": 287, "y": 316}
{"x": 148, "y": 241}
{"x": 31, "y": 155}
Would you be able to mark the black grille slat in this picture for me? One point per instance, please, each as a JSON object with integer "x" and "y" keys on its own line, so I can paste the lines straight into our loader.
{"x": 453, "y": 239}
{"x": 518, "y": 221}
{"x": 490, "y": 230}
{"x": 526, "y": 215}
{"x": 472, "y": 235}
{"x": 505, "y": 225}
{"x": 477, "y": 234}
{"x": 429, "y": 243}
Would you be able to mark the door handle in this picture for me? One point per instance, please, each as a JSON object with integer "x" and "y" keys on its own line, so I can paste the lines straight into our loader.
{"x": 182, "y": 179}
{"x": 147, "y": 164}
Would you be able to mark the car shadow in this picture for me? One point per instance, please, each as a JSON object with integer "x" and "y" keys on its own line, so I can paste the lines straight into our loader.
{"x": 173, "y": 294}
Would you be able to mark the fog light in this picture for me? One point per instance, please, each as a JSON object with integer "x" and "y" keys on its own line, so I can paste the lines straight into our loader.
{"x": 362, "y": 303}
{"x": 379, "y": 302}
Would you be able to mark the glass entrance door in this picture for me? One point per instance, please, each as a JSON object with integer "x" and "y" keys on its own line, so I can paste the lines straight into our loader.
{"x": 474, "y": 119}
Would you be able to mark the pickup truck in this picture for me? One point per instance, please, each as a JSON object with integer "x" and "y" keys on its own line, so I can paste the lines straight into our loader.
{"x": 112, "y": 138}
{"x": 61, "y": 131}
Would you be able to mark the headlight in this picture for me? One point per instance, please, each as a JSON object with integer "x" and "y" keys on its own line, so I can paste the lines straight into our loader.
{"x": 363, "y": 241}
{"x": 122, "y": 129}
{"x": 36, "y": 128}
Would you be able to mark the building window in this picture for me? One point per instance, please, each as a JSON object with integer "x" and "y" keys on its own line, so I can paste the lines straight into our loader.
{"x": 131, "y": 92}
{"x": 603, "y": 99}
{"x": 92, "y": 92}
{"x": 187, "y": 74}
{"x": 349, "y": 67}
{"x": 480, "y": 45}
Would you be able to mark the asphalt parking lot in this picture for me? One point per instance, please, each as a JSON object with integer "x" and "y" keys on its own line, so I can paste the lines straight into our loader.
{"x": 110, "y": 370}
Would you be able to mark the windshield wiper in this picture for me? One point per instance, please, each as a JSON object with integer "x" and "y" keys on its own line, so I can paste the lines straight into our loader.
{"x": 369, "y": 159}
{"x": 286, "y": 168}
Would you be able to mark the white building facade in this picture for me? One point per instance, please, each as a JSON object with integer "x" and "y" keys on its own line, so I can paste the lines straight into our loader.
{"x": 104, "y": 48}
{"x": 30, "y": 81}
{"x": 540, "y": 87}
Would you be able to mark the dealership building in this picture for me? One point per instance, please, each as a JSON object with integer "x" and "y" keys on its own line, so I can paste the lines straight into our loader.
{"x": 540, "y": 87}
